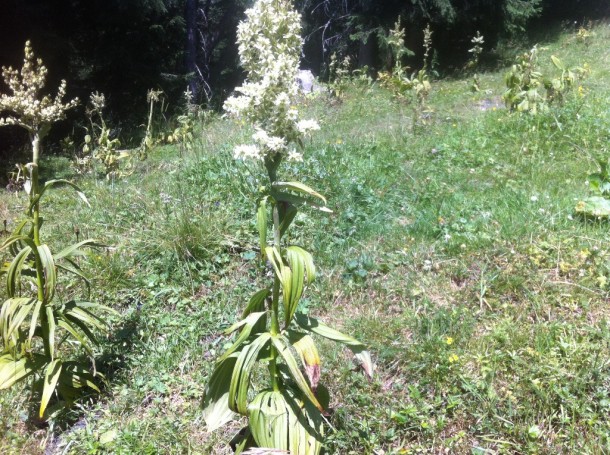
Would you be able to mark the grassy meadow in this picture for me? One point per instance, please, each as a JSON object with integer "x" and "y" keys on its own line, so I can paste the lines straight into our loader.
{"x": 453, "y": 251}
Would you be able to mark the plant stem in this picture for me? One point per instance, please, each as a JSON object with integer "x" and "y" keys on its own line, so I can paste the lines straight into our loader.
{"x": 272, "y": 166}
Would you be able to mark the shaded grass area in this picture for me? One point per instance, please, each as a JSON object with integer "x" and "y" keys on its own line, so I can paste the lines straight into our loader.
{"x": 452, "y": 252}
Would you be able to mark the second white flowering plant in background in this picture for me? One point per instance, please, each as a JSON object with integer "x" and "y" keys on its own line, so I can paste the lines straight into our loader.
{"x": 287, "y": 414}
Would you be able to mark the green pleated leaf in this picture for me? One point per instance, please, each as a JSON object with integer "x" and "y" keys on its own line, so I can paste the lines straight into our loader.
{"x": 300, "y": 261}
{"x": 49, "y": 329}
{"x": 287, "y": 213}
{"x": 14, "y": 271}
{"x": 297, "y": 201}
{"x": 75, "y": 250}
{"x": 240, "y": 380}
{"x": 248, "y": 325}
{"x": 298, "y": 188}
{"x": 7, "y": 313}
{"x": 55, "y": 182}
{"x": 19, "y": 315}
{"x": 257, "y": 302}
{"x": 314, "y": 326}
{"x": 308, "y": 353}
{"x": 14, "y": 370}
{"x": 261, "y": 219}
{"x": 285, "y": 424}
{"x": 34, "y": 320}
{"x": 282, "y": 344}
{"x": 51, "y": 377}
{"x": 71, "y": 329}
{"x": 216, "y": 410}
{"x": 50, "y": 272}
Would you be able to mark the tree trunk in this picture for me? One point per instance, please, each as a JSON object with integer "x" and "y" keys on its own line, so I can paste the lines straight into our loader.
{"x": 190, "y": 18}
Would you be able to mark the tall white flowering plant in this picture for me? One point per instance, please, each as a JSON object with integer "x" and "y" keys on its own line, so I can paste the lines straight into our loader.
{"x": 288, "y": 413}
{"x": 37, "y": 328}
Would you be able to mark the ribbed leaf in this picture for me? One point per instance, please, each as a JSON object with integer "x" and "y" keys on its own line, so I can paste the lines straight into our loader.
{"x": 34, "y": 320}
{"x": 71, "y": 329}
{"x": 49, "y": 329}
{"x": 216, "y": 410}
{"x": 280, "y": 421}
{"x": 240, "y": 380}
{"x": 257, "y": 302}
{"x": 261, "y": 219}
{"x": 285, "y": 275}
{"x": 51, "y": 377}
{"x": 308, "y": 353}
{"x": 14, "y": 271}
{"x": 19, "y": 316}
{"x": 75, "y": 250}
{"x": 14, "y": 370}
{"x": 287, "y": 214}
{"x": 50, "y": 272}
{"x": 282, "y": 344}
{"x": 314, "y": 326}
{"x": 300, "y": 261}
{"x": 7, "y": 313}
{"x": 52, "y": 183}
{"x": 298, "y": 188}
{"x": 281, "y": 196}
{"x": 248, "y": 325}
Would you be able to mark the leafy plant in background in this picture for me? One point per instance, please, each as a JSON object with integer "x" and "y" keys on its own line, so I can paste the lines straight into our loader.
{"x": 100, "y": 145}
{"x": 36, "y": 327}
{"x": 339, "y": 75}
{"x": 475, "y": 52}
{"x": 288, "y": 414}
{"x": 183, "y": 133}
{"x": 414, "y": 88}
{"x": 525, "y": 81}
{"x": 598, "y": 205}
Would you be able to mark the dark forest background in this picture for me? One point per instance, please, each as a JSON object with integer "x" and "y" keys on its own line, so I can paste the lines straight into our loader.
{"x": 122, "y": 48}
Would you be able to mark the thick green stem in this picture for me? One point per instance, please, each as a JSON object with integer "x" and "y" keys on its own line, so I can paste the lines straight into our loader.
{"x": 272, "y": 165}
{"x": 35, "y": 204}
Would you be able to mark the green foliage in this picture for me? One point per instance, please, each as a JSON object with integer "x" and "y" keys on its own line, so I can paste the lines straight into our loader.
{"x": 525, "y": 83}
{"x": 36, "y": 327}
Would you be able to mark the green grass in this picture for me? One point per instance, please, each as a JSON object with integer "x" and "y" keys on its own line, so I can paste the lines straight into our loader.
{"x": 452, "y": 252}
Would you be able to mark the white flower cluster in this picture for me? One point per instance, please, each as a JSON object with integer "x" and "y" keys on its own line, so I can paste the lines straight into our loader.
{"x": 269, "y": 48}
{"x": 23, "y": 108}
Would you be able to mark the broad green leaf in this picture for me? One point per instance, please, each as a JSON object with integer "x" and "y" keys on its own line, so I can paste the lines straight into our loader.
{"x": 314, "y": 326}
{"x": 298, "y": 188}
{"x": 66, "y": 325}
{"x": 298, "y": 201}
{"x": 14, "y": 271}
{"x": 300, "y": 261}
{"x": 19, "y": 316}
{"x": 282, "y": 344}
{"x": 51, "y": 377}
{"x": 49, "y": 329}
{"x": 50, "y": 272}
{"x": 257, "y": 302}
{"x": 240, "y": 380}
{"x": 248, "y": 325}
{"x": 34, "y": 320}
{"x": 308, "y": 353}
{"x": 261, "y": 218}
{"x": 52, "y": 183}
{"x": 287, "y": 214}
{"x": 216, "y": 410}
{"x": 75, "y": 250}
{"x": 7, "y": 312}
{"x": 285, "y": 275}
{"x": 594, "y": 206}
{"x": 558, "y": 63}
{"x": 281, "y": 422}
{"x": 14, "y": 370}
